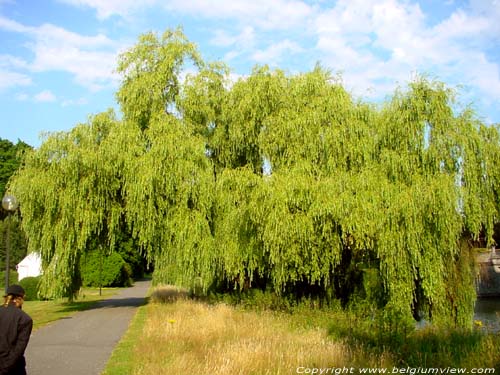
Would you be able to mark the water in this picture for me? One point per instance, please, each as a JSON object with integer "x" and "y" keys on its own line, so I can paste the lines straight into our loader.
{"x": 487, "y": 310}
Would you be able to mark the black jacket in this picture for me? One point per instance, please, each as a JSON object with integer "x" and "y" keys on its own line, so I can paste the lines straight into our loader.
{"x": 15, "y": 331}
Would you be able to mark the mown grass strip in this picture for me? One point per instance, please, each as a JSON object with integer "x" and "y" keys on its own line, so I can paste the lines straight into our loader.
{"x": 122, "y": 358}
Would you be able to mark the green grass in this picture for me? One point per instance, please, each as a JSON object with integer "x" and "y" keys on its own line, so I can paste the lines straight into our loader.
{"x": 45, "y": 312}
{"x": 120, "y": 361}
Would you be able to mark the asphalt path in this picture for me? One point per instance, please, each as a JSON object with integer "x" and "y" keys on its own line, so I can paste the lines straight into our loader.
{"x": 82, "y": 344}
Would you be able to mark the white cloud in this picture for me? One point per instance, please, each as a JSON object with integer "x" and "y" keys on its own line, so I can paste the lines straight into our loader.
{"x": 9, "y": 61}
{"x": 14, "y": 26}
{"x": 108, "y": 8}
{"x": 478, "y": 71}
{"x": 48, "y": 33}
{"x": 22, "y": 96}
{"x": 489, "y": 10}
{"x": 45, "y": 96}
{"x": 90, "y": 59}
{"x": 245, "y": 38}
{"x": 231, "y": 55}
{"x": 92, "y": 69}
{"x": 10, "y": 79}
{"x": 461, "y": 25}
{"x": 241, "y": 43}
{"x": 277, "y": 14}
{"x": 74, "y": 102}
{"x": 10, "y": 76}
{"x": 349, "y": 38}
{"x": 345, "y": 17}
{"x": 398, "y": 25}
{"x": 375, "y": 43}
{"x": 275, "y": 52}
{"x": 378, "y": 43}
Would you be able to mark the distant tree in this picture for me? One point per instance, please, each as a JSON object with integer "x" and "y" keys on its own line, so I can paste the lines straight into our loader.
{"x": 18, "y": 242}
{"x": 11, "y": 156}
{"x": 10, "y": 159}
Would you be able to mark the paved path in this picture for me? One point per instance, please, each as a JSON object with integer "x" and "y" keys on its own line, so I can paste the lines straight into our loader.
{"x": 82, "y": 344}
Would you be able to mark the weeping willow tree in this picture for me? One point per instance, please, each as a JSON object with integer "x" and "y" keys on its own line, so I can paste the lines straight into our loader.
{"x": 276, "y": 180}
{"x": 70, "y": 189}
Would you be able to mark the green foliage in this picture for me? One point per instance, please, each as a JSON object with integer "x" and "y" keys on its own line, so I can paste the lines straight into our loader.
{"x": 432, "y": 347}
{"x": 151, "y": 75}
{"x": 75, "y": 198}
{"x": 100, "y": 269}
{"x": 11, "y": 156}
{"x": 280, "y": 181}
{"x": 12, "y": 278}
{"x": 18, "y": 242}
{"x": 30, "y": 285}
{"x": 128, "y": 249}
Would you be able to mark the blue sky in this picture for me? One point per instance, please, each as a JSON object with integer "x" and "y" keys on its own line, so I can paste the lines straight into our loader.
{"x": 57, "y": 58}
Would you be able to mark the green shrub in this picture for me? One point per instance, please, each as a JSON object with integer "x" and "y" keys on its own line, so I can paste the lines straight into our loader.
{"x": 128, "y": 249}
{"x": 30, "y": 285}
{"x": 99, "y": 269}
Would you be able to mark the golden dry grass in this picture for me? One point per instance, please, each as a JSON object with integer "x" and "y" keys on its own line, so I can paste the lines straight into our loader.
{"x": 177, "y": 335}
{"x": 190, "y": 337}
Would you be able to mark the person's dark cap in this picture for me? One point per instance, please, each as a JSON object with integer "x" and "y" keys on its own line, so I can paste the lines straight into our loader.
{"x": 16, "y": 290}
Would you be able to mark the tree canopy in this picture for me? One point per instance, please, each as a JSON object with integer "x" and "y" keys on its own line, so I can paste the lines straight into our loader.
{"x": 279, "y": 180}
{"x": 10, "y": 160}
{"x": 11, "y": 156}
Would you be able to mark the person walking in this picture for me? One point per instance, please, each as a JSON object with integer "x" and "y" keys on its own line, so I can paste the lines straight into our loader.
{"x": 15, "y": 331}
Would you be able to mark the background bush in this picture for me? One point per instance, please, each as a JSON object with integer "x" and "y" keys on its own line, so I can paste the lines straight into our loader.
{"x": 127, "y": 247}
{"x": 100, "y": 269}
{"x": 30, "y": 285}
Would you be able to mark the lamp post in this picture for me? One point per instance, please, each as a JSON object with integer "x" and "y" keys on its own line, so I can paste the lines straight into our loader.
{"x": 10, "y": 204}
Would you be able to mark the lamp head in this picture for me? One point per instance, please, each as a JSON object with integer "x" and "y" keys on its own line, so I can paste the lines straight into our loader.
{"x": 9, "y": 202}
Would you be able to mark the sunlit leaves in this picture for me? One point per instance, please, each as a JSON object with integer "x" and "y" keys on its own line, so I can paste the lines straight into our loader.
{"x": 70, "y": 192}
{"x": 151, "y": 73}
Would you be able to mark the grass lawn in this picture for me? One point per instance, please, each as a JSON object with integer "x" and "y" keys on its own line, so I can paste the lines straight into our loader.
{"x": 45, "y": 312}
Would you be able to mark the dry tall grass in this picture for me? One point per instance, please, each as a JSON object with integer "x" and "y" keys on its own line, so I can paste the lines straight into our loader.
{"x": 188, "y": 337}
{"x": 176, "y": 335}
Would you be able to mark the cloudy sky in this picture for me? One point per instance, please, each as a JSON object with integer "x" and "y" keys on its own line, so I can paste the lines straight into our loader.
{"x": 57, "y": 57}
